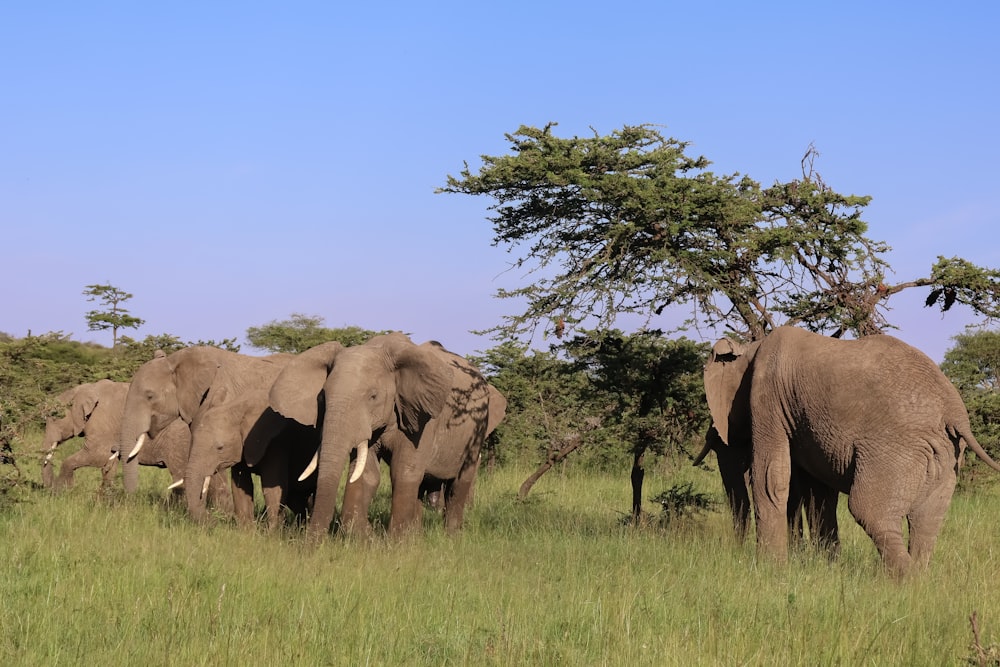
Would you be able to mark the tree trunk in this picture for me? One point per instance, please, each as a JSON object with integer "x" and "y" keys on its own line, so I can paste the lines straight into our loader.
{"x": 571, "y": 442}
{"x": 638, "y": 473}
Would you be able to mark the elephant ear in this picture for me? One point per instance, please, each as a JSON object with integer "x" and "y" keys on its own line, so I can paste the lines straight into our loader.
{"x": 727, "y": 387}
{"x": 497, "y": 409}
{"x": 84, "y": 402}
{"x": 423, "y": 382}
{"x": 260, "y": 429}
{"x": 194, "y": 370}
{"x": 295, "y": 392}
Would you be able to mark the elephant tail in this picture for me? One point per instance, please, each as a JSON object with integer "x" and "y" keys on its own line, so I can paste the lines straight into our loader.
{"x": 970, "y": 440}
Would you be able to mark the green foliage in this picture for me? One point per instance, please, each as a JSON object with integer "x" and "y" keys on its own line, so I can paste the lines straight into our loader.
{"x": 973, "y": 364}
{"x": 301, "y": 332}
{"x": 629, "y": 223}
{"x": 114, "y": 315}
{"x": 623, "y": 393}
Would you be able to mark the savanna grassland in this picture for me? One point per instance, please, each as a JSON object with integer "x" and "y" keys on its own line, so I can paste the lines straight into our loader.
{"x": 100, "y": 578}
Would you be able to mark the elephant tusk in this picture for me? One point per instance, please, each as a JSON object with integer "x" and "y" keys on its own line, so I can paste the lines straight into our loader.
{"x": 359, "y": 465}
{"x": 176, "y": 485}
{"x": 113, "y": 456}
{"x": 138, "y": 445}
{"x": 704, "y": 452}
{"x": 310, "y": 468}
{"x": 204, "y": 487}
{"x": 48, "y": 457}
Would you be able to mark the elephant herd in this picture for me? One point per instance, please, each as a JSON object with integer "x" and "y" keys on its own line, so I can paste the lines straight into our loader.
{"x": 294, "y": 421}
{"x": 797, "y": 419}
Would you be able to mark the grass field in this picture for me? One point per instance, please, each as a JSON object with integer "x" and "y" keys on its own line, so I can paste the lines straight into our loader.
{"x": 555, "y": 580}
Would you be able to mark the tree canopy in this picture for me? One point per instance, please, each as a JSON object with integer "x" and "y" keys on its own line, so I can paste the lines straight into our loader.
{"x": 630, "y": 223}
{"x": 300, "y": 332}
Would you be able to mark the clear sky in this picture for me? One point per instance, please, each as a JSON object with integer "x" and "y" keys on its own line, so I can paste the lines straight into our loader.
{"x": 231, "y": 163}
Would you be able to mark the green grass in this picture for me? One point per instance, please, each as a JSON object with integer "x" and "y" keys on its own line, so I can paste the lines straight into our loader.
{"x": 87, "y": 578}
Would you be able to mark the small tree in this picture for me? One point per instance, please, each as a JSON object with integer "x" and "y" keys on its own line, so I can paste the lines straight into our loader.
{"x": 114, "y": 316}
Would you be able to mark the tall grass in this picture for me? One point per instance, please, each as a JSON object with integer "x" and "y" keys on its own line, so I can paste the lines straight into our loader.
{"x": 91, "y": 578}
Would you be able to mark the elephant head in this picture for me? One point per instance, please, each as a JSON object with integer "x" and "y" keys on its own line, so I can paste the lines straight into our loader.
{"x": 163, "y": 389}
{"x": 220, "y": 433}
{"x": 388, "y": 387}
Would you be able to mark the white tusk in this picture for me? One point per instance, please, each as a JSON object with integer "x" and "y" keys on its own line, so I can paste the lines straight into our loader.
{"x": 48, "y": 457}
{"x": 113, "y": 456}
{"x": 138, "y": 445}
{"x": 359, "y": 465}
{"x": 310, "y": 468}
{"x": 176, "y": 485}
{"x": 204, "y": 487}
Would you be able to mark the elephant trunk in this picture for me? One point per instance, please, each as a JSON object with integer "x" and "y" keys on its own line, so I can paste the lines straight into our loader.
{"x": 133, "y": 428}
{"x": 338, "y": 442}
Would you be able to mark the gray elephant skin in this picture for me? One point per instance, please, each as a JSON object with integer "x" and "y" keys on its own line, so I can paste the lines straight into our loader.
{"x": 424, "y": 408}
{"x": 244, "y": 435}
{"x": 185, "y": 385}
{"x": 94, "y": 411}
{"x": 872, "y": 418}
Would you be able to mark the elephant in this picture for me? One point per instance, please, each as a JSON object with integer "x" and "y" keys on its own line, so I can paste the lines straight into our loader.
{"x": 872, "y": 418}
{"x": 174, "y": 386}
{"x": 94, "y": 410}
{"x": 226, "y": 433}
{"x": 424, "y": 409}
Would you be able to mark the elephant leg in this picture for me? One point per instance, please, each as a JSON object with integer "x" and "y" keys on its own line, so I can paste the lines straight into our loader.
{"x": 358, "y": 496}
{"x": 84, "y": 458}
{"x": 273, "y": 476}
{"x": 407, "y": 510}
{"x": 734, "y": 469}
{"x": 879, "y": 508}
{"x": 926, "y": 518}
{"x": 798, "y": 495}
{"x": 242, "y": 494}
{"x": 821, "y": 513}
{"x": 220, "y": 493}
{"x": 458, "y": 493}
{"x": 770, "y": 475}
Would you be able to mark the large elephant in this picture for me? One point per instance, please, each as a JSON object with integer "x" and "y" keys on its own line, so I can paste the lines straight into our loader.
{"x": 175, "y": 386}
{"x": 426, "y": 409}
{"x": 872, "y": 418}
{"x": 235, "y": 433}
{"x": 94, "y": 410}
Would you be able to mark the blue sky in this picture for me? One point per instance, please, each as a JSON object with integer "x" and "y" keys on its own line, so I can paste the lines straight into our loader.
{"x": 231, "y": 163}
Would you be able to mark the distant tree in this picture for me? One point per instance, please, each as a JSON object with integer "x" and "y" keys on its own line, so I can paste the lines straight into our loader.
{"x": 629, "y": 223}
{"x": 301, "y": 332}
{"x": 114, "y": 315}
{"x": 973, "y": 364}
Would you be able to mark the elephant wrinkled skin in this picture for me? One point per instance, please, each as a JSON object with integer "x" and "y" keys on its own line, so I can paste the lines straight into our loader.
{"x": 872, "y": 418}
{"x": 426, "y": 409}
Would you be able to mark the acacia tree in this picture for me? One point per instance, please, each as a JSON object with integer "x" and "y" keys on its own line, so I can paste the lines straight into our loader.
{"x": 114, "y": 316}
{"x": 629, "y": 223}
